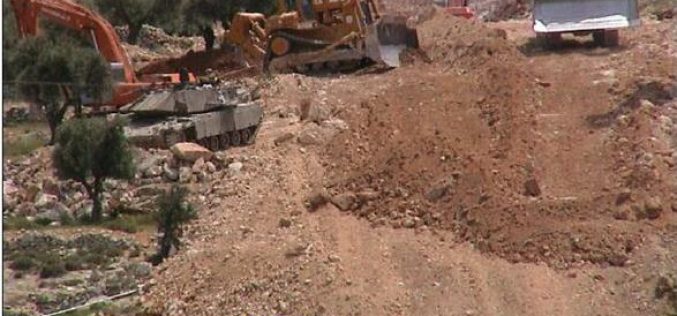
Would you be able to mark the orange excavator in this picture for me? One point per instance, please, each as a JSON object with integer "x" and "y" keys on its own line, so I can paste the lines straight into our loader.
{"x": 128, "y": 87}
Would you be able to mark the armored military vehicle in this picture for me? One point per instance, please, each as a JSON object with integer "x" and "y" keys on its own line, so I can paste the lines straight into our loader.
{"x": 214, "y": 117}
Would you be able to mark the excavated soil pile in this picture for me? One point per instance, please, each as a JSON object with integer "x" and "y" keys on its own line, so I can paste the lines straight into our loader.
{"x": 451, "y": 145}
{"x": 197, "y": 62}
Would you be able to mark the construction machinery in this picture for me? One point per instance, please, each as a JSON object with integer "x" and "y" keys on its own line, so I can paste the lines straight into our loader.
{"x": 601, "y": 18}
{"x": 456, "y": 8}
{"x": 310, "y": 35}
{"x": 128, "y": 87}
{"x": 214, "y": 117}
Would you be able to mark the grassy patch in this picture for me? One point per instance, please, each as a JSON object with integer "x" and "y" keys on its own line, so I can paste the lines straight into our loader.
{"x": 23, "y": 144}
{"x": 129, "y": 223}
{"x": 17, "y": 223}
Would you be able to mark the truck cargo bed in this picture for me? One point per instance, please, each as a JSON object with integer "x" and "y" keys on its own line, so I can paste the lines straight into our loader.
{"x": 582, "y": 15}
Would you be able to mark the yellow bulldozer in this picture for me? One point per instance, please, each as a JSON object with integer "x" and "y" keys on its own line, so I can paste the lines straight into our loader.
{"x": 321, "y": 34}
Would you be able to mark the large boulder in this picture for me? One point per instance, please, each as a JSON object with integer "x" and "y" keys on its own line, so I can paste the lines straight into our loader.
{"x": 190, "y": 152}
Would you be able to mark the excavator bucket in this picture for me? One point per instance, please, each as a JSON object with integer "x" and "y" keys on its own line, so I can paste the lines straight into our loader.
{"x": 388, "y": 37}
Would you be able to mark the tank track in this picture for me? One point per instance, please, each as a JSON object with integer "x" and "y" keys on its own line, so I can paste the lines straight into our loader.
{"x": 306, "y": 46}
{"x": 238, "y": 138}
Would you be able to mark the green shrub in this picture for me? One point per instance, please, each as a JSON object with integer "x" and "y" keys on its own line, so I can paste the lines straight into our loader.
{"x": 22, "y": 263}
{"x": 43, "y": 221}
{"x": 52, "y": 269}
{"x": 95, "y": 259}
{"x": 74, "y": 262}
{"x": 66, "y": 219}
{"x": 9, "y": 312}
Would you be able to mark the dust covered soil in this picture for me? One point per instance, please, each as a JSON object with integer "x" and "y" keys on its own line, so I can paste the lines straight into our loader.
{"x": 485, "y": 177}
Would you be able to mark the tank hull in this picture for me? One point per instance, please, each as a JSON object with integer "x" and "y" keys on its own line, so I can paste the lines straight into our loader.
{"x": 216, "y": 119}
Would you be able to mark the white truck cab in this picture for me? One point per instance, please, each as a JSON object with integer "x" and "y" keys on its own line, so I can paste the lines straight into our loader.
{"x": 602, "y": 18}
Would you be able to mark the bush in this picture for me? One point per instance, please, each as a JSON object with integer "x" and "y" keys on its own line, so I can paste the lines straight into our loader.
{"x": 66, "y": 219}
{"x": 22, "y": 263}
{"x": 52, "y": 269}
{"x": 43, "y": 221}
{"x": 174, "y": 212}
{"x": 74, "y": 262}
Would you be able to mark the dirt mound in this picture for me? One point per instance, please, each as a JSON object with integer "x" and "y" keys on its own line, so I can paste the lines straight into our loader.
{"x": 197, "y": 62}
{"x": 454, "y": 144}
{"x": 456, "y": 42}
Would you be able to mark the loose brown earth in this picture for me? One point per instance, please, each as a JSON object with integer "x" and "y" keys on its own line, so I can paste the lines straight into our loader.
{"x": 527, "y": 180}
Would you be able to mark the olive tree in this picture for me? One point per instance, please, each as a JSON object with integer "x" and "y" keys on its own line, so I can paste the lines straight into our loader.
{"x": 91, "y": 150}
{"x": 55, "y": 75}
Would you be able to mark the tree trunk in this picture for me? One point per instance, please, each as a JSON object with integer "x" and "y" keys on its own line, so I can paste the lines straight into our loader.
{"x": 94, "y": 193}
{"x": 134, "y": 31}
{"x": 52, "y": 131}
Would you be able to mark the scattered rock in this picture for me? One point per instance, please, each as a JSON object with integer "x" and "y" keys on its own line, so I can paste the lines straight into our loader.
{"x": 235, "y": 167}
{"x": 317, "y": 199}
{"x": 408, "y": 223}
{"x": 283, "y": 138}
{"x": 199, "y": 165}
{"x": 623, "y": 196}
{"x": 367, "y": 195}
{"x": 617, "y": 260}
{"x": 282, "y": 306}
{"x": 148, "y": 190}
{"x": 344, "y": 202}
{"x": 334, "y": 258}
{"x": 211, "y": 168}
{"x": 309, "y": 137}
{"x": 170, "y": 174}
{"x": 153, "y": 172}
{"x": 45, "y": 200}
{"x": 139, "y": 269}
{"x": 653, "y": 208}
{"x": 49, "y": 214}
{"x": 9, "y": 188}
{"x": 185, "y": 174}
{"x": 190, "y": 152}
{"x": 285, "y": 222}
{"x": 435, "y": 194}
{"x": 531, "y": 188}
{"x": 622, "y": 214}
{"x": 51, "y": 186}
{"x": 314, "y": 112}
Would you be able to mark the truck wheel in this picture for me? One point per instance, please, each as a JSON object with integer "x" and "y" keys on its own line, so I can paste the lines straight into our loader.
{"x": 611, "y": 38}
{"x": 598, "y": 38}
{"x": 549, "y": 40}
{"x": 235, "y": 139}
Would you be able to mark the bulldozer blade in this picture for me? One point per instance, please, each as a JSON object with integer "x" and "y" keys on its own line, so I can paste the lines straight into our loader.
{"x": 388, "y": 37}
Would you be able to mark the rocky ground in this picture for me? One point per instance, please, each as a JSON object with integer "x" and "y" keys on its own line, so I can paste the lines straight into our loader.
{"x": 485, "y": 177}
{"x": 513, "y": 180}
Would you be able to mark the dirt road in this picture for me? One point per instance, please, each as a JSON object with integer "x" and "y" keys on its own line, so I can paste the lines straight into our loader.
{"x": 486, "y": 113}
